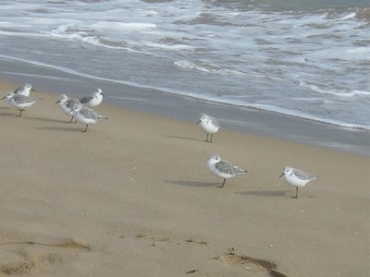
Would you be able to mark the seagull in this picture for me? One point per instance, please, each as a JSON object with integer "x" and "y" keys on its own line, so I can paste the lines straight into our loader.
{"x": 68, "y": 104}
{"x": 296, "y": 177}
{"x": 86, "y": 115}
{"x": 223, "y": 168}
{"x": 24, "y": 90}
{"x": 209, "y": 125}
{"x": 93, "y": 100}
{"x": 19, "y": 101}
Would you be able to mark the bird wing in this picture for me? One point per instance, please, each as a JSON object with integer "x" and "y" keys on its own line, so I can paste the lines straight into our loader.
{"x": 225, "y": 167}
{"x": 214, "y": 122}
{"x": 21, "y": 99}
{"x": 86, "y": 99}
{"x": 88, "y": 113}
{"x": 303, "y": 175}
{"x": 72, "y": 103}
{"x": 17, "y": 90}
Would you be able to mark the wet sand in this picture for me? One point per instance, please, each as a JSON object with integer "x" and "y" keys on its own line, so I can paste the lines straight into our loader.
{"x": 148, "y": 100}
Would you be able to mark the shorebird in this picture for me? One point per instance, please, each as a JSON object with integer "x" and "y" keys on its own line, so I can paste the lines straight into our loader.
{"x": 19, "y": 101}
{"x": 67, "y": 105}
{"x": 93, "y": 100}
{"x": 223, "y": 168}
{"x": 24, "y": 90}
{"x": 296, "y": 177}
{"x": 209, "y": 125}
{"x": 86, "y": 115}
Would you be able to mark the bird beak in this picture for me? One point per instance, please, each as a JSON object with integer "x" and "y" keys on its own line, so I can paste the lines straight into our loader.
{"x": 198, "y": 122}
{"x": 3, "y": 98}
{"x": 281, "y": 175}
{"x": 33, "y": 89}
{"x": 57, "y": 102}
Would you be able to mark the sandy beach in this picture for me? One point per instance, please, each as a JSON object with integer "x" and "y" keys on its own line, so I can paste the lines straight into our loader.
{"x": 133, "y": 197}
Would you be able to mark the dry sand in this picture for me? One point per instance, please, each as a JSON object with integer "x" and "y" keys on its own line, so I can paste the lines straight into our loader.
{"x": 133, "y": 197}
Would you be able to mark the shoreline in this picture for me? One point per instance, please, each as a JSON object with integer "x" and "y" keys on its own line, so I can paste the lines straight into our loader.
{"x": 244, "y": 120}
{"x": 133, "y": 195}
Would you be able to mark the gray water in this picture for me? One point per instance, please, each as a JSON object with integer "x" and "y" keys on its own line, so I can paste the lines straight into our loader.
{"x": 306, "y": 61}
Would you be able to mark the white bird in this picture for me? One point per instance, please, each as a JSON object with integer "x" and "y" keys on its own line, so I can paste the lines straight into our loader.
{"x": 296, "y": 177}
{"x": 93, "y": 100}
{"x": 209, "y": 125}
{"x": 68, "y": 104}
{"x": 86, "y": 115}
{"x": 24, "y": 90}
{"x": 20, "y": 102}
{"x": 223, "y": 168}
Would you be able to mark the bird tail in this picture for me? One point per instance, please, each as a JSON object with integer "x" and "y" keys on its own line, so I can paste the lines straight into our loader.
{"x": 239, "y": 170}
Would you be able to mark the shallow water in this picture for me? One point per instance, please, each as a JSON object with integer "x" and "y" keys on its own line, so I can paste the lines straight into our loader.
{"x": 308, "y": 60}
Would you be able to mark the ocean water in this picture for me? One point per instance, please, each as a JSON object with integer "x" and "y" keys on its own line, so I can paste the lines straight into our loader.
{"x": 308, "y": 59}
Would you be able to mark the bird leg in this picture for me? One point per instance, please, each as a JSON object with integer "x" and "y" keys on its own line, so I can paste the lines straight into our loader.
{"x": 296, "y": 194}
{"x": 87, "y": 125}
{"x": 211, "y": 138}
{"x": 20, "y": 113}
{"x": 207, "y": 138}
{"x": 223, "y": 183}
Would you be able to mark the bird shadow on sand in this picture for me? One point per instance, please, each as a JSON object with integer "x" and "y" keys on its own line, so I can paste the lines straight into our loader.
{"x": 10, "y": 114}
{"x": 44, "y": 119}
{"x": 6, "y": 111}
{"x": 61, "y": 129}
{"x": 271, "y": 193}
{"x": 184, "y": 138}
{"x": 193, "y": 183}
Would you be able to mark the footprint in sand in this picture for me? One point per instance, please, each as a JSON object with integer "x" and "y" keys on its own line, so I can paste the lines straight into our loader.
{"x": 251, "y": 264}
{"x": 35, "y": 257}
{"x": 255, "y": 267}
